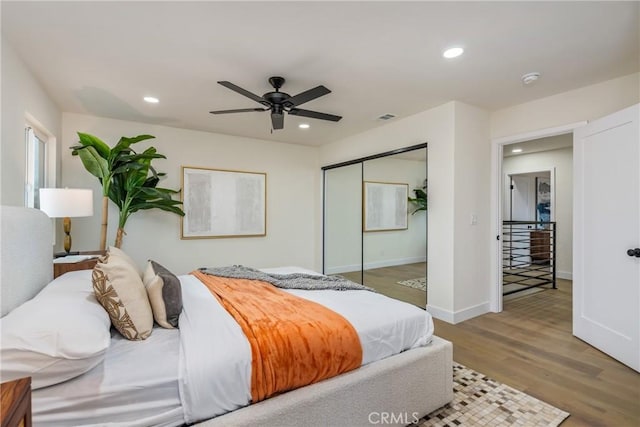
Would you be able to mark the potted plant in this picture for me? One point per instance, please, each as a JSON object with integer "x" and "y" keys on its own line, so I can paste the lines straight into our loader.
{"x": 420, "y": 201}
{"x": 126, "y": 177}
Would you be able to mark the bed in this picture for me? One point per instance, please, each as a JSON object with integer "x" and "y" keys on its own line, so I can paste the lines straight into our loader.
{"x": 124, "y": 388}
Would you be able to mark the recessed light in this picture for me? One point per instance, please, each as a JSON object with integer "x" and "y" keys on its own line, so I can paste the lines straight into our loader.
{"x": 151, "y": 99}
{"x": 303, "y": 126}
{"x": 517, "y": 150}
{"x": 453, "y": 52}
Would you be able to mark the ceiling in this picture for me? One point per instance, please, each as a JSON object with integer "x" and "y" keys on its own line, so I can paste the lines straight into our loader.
{"x": 102, "y": 58}
{"x": 537, "y": 145}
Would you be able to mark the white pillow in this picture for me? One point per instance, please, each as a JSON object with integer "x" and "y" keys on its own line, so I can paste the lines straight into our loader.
{"x": 59, "y": 334}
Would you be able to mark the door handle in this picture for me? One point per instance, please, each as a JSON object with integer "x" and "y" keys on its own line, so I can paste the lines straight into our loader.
{"x": 634, "y": 252}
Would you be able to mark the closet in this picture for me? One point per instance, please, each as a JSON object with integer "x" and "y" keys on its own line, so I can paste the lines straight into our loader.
{"x": 371, "y": 234}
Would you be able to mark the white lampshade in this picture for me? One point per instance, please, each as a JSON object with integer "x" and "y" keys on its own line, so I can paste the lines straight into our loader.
{"x": 66, "y": 202}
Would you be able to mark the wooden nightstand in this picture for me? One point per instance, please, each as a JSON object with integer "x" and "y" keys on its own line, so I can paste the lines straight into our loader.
{"x": 15, "y": 404}
{"x": 61, "y": 268}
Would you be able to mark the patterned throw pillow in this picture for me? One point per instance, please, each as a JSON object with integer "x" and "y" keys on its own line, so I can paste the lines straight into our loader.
{"x": 113, "y": 251}
{"x": 165, "y": 294}
{"x": 119, "y": 289}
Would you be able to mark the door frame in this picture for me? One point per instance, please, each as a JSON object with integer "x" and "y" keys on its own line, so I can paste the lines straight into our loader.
{"x": 497, "y": 149}
{"x": 552, "y": 179}
{"x": 506, "y": 184}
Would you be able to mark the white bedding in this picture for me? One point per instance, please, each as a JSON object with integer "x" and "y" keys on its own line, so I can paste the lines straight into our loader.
{"x": 216, "y": 373}
{"x": 175, "y": 376}
{"x": 138, "y": 380}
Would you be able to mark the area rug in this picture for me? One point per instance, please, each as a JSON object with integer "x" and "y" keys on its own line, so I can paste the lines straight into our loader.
{"x": 419, "y": 283}
{"x": 481, "y": 401}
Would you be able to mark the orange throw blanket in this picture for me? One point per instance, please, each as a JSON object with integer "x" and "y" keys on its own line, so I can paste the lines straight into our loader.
{"x": 294, "y": 342}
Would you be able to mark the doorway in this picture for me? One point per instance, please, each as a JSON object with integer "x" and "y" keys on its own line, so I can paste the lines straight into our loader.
{"x": 605, "y": 308}
{"x": 540, "y": 153}
{"x": 529, "y": 230}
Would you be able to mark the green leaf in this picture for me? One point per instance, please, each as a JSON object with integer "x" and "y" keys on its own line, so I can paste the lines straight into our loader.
{"x": 127, "y": 177}
{"x": 93, "y": 141}
{"x": 156, "y": 205}
{"x": 420, "y": 200}
{"x": 93, "y": 162}
{"x": 128, "y": 167}
{"x": 124, "y": 144}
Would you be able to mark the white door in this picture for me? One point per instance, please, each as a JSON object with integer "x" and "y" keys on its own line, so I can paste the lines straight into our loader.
{"x": 522, "y": 197}
{"x": 606, "y": 286}
{"x": 521, "y": 208}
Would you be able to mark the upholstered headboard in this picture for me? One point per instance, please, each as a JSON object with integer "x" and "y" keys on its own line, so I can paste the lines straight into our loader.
{"x": 26, "y": 255}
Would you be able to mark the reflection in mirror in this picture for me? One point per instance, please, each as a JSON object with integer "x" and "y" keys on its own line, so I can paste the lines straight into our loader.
{"x": 343, "y": 222}
{"x": 395, "y": 239}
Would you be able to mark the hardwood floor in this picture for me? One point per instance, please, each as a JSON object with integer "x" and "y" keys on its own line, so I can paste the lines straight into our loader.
{"x": 385, "y": 280}
{"x": 529, "y": 346}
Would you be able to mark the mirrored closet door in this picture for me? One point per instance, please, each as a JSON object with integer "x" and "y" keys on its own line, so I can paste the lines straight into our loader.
{"x": 373, "y": 232}
{"x": 343, "y": 217}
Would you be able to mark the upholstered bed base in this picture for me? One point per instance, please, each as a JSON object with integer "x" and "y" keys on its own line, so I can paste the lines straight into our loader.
{"x": 26, "y": 255}
{"x": 412, "y": 383}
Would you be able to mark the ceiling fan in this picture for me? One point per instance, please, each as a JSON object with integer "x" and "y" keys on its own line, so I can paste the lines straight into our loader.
{"x": 278, "y": 102}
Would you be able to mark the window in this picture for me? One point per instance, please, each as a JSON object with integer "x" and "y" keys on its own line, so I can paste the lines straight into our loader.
{"x": 37, "y": 159}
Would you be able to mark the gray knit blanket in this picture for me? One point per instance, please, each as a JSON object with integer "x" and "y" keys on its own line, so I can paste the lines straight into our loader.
{"x": 287, "y": 281}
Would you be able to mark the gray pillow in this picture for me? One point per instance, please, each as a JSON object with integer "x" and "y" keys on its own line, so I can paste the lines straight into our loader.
{"x": 165, "y": 294}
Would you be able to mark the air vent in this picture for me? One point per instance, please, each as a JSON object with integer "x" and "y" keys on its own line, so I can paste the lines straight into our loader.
{"x": 386, "y": 117}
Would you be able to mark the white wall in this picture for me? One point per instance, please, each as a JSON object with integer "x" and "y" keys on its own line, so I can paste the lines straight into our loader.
{"x": 458, "y": 174}
{"x": 587, "y": 103}
{"x": 583, "y": 104}
{"x": 292, "y": 206}
{"x": 562, "y": 161}
{"x": 472, "y": 167}
{"x": 22, "y": 94}
{"x": 434, "y": 126}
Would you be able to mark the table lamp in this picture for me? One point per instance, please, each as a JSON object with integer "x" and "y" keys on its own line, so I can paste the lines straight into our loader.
{"x": 66, "y": 203}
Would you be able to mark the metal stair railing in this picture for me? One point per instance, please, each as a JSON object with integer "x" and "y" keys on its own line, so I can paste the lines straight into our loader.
{"x": 528, "y": 255}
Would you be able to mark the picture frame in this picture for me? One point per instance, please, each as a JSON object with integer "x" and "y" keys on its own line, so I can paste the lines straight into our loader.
{"x": 543, "y": 201}
{"x": 220, "y": 203}
{"x": 385, "y": 206}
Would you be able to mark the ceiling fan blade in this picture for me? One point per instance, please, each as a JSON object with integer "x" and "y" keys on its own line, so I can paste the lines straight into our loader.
{"x": 314, "y": 114}
{"x": 277, "y": 120}
{"x": 244, "y": 92}
{"x": 241, "y": 110}
{"x": 306, "y": 96}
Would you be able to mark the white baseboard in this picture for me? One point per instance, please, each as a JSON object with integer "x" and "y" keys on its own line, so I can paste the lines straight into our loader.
{"x": 440, "y": 313}
{"x": 460, "y": 315}
{"x": 567, "y": 275}
{"x": 470, "y": 312}
{"x": 375, "y": 264}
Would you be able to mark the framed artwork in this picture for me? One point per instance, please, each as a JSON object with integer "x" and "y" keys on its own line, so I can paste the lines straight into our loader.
{"x": 543, "y": 200}
{"x": 223, "y": 203}
{"x": 384, "y": 206}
